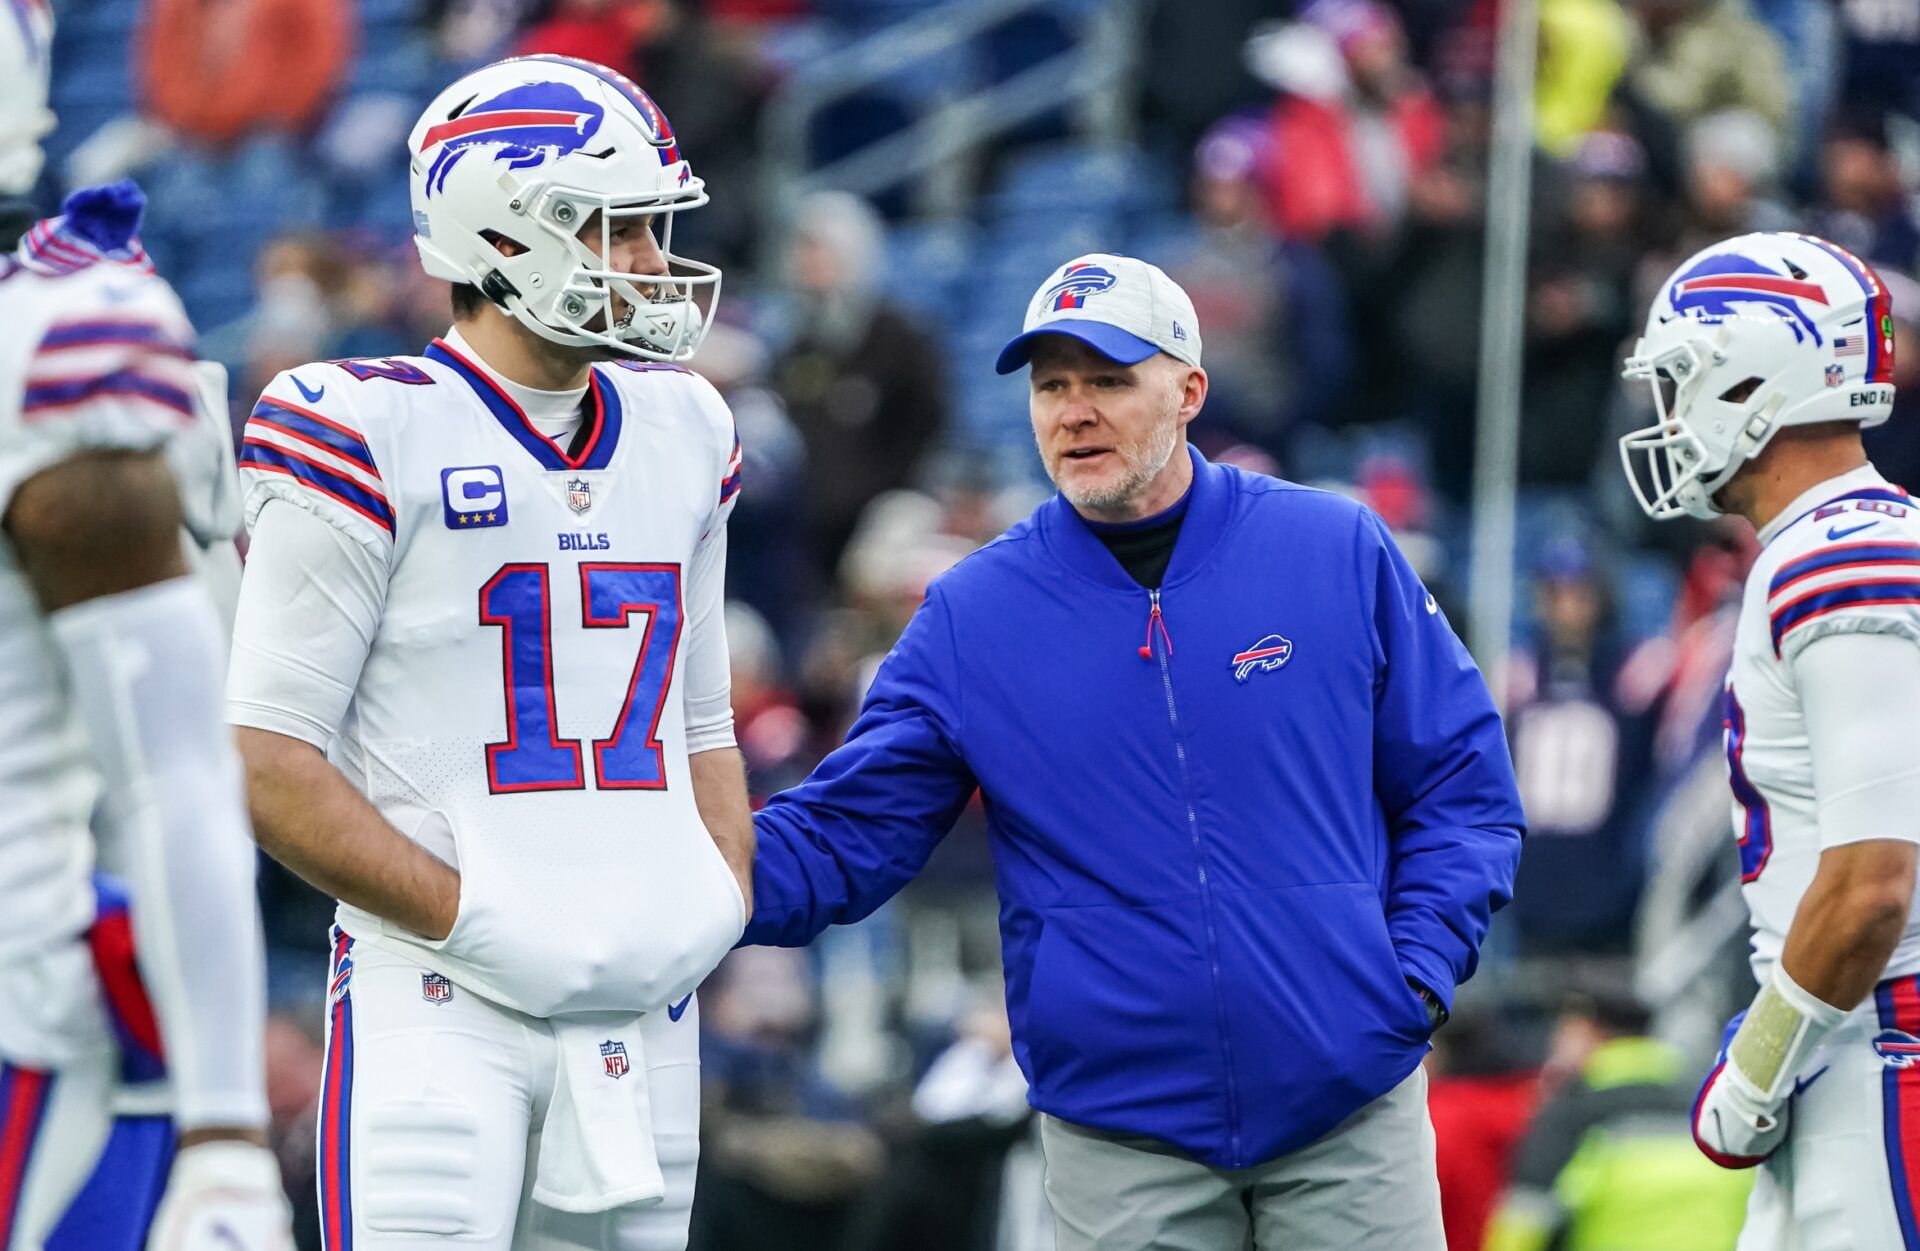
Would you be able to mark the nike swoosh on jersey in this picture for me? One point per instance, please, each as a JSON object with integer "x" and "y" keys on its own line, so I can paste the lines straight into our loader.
{"x": 1834, "y": 532}
{"x": 313, "y": 394}
{"x": 675, "y": 1012}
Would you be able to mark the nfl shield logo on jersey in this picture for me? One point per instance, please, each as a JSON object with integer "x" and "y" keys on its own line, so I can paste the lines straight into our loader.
{"x": 435, "y": 988}
{"x": 614, "y": 1054}
{"x": 579, "y": 494}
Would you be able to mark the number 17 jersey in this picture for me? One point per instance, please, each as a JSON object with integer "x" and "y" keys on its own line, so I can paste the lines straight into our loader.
{"x": 543, "y": 628}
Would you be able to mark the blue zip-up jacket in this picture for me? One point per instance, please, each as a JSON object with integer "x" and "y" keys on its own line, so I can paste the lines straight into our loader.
{"x": 1228, "y": 818}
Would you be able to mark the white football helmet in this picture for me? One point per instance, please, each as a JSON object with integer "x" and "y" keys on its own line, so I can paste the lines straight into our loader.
{"x": 1746, "y": 337}
{"x": 528, "y": 150}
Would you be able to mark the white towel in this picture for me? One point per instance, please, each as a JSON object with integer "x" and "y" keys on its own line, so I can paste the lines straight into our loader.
{"x": 596, "y": 1145}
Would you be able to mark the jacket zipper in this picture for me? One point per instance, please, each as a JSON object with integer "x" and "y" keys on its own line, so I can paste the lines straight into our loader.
{"x": 1165, "y": 655}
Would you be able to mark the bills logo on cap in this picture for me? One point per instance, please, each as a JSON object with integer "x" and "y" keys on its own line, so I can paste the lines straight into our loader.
{"x": 1897, "y": 1049}
{"x": 1079, "y": 282}
{"x": 435, "y": 989}
{"x": 614, "y": 1055}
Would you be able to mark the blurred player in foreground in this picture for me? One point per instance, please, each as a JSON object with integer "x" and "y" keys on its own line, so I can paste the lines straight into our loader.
{"x": 1767, "y": 355}
{"x": 482, "y": 677}
{"x": 116, "y": 482}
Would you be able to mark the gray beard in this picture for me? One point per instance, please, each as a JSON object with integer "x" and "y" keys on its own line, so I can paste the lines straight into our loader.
{"x": 1143, "y": 466}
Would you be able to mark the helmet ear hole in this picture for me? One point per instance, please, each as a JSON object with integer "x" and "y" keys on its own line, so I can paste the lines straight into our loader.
{"x": 505, "y": 245}
{"x": 1740, "y": 391}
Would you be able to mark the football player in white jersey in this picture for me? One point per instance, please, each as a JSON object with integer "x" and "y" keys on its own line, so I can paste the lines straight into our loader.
{"x": 482, "y": 680}
{"x": 118, "y": 775}
{"x": 1767, "y": 355}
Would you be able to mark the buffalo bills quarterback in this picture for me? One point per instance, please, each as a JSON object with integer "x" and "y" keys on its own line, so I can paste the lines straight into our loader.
{"x": 1767, "y": 355}
{"x": 481, "y": 678}
{"x": 131, "y": 975}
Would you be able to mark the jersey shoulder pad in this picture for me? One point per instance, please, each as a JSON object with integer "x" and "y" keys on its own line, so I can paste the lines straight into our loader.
{"x": 1850, "y": 567}
{"x": 309, "y": 440}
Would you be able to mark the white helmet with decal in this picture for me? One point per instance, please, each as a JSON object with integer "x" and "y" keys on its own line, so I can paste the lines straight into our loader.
{"x": 1747, "y": 337}
{"x": 529, "y": 150}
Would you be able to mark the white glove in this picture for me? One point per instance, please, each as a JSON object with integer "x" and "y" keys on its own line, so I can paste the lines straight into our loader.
{"x": 1740, "y": 1117}
{"x": 223, "y": 1196}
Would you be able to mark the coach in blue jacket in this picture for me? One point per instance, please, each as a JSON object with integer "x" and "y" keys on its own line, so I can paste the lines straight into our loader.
{"x": 1249, "y": 801}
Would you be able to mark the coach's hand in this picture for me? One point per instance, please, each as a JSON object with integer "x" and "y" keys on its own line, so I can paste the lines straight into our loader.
{"x": 223, "y": 1195}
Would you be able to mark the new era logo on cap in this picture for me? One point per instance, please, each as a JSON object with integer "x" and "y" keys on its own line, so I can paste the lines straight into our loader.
{"x": 1122, "y": 307}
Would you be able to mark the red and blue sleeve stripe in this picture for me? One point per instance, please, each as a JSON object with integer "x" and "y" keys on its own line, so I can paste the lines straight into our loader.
{"x": 1866, "y": 593}
{"x": 52, "y": 394}
{"x": 336, "y": 1105}
{"x": 310, "y": 427}
{"x": 135, "y": 1026}
{"x": 730, "y": 485}
{"x": 1898, "y": 1002}
{"x": 86, "y": 334}
{"x": 255, "y": 454}
{"x": 24, "y": 1096}
{"x": 1847, "y": 555}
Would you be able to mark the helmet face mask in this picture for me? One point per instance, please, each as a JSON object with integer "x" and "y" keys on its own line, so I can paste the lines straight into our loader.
{"x": 1748, "y": 337}
{"x": 547, "y": 152}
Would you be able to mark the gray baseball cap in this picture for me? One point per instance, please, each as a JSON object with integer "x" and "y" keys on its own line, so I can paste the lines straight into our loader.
{"x": 1120, "y": 306}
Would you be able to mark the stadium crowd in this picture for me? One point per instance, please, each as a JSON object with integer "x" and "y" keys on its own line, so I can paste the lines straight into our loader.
{"x": 1316, "y": 179}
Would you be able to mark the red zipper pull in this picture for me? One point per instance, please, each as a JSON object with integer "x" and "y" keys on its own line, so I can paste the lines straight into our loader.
{"x": 1155, "y": 619}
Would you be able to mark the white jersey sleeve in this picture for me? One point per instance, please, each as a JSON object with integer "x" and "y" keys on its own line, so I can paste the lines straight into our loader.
{"x": 1864, "y": 581}
{"x": 104, "y": 356}
{"x": 305, "y": 442}
{"x": 709, "y": 686}
{"x": 1861, "y": 694}
{"x": 310, "y": 606}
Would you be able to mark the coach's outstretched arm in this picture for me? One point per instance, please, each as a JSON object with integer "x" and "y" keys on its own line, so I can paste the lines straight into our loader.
{"x": 837, "y": 846}
{"x": 1443, "y": 775}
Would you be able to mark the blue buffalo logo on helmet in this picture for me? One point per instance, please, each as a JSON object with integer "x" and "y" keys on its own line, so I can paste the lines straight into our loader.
{"x": 1268, "y": 654}
{"x": 1897, "y": 1049}
{"x": 1709, "y": 291}
{"x": 526, "y": 126}
{"x": 1081, "y": 281}
{"x": 661, "y": 131}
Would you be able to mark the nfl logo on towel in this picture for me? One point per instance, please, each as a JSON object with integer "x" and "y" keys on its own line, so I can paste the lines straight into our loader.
{"x": 579, "y": 494}
{"x": 435, "y": 988}
{"x": 615, "y": 1056}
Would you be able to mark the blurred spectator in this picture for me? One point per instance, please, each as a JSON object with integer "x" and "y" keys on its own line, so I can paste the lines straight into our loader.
{"x": 863, "y": 384}
{"x": 1579, "y": 759}
{"x": 1609, "y": 1164}
{"x": 1732, "y": 162}
{"x": 767, "y": 723}
{"x": 784, "y": 1154}
{"x": 1696, "y": 57}
{"x": 216, "y": 70}
{"x": 1481, "y": 1101}
{"x": 1187, "y": 85}
{"x": 1580, "y": 309}
{"x": 609, "y": 32}
{"x": 294, "y": 1062}
{"x": 1880, "y": 54}
{"x": 1354, "y": 125}
{"x": 1583, "y": 49}
{"x": 1866, "y": 208}
{"x": 1279, "y": 351}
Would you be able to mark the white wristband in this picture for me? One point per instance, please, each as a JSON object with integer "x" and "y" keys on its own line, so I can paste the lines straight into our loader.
{"x": 1783, "y": 1026}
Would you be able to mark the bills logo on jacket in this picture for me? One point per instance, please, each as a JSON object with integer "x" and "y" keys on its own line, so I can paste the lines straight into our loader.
{"x": 614, "y": 1055}
{"x": 1268, "y": 654}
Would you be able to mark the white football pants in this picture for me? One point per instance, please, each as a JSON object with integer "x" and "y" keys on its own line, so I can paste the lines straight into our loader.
{"x": 1848, "y": 1175}
{"x": 431, "y": 1113}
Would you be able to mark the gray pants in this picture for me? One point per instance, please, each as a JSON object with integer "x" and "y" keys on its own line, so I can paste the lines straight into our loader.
{"x": 1369, "y": 1185}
